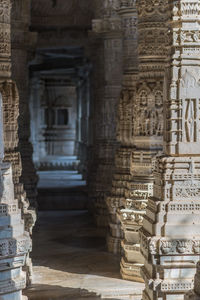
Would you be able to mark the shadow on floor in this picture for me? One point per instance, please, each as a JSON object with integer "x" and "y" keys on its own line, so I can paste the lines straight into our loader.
{"x": 70, "y": 242}
{"x": 49, "y": 292}
{"x": 70, "y": 260}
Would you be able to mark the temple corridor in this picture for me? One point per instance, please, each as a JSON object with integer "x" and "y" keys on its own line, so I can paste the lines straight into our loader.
{"x": 70, "y": 260}
{"x": 100, "y": 149}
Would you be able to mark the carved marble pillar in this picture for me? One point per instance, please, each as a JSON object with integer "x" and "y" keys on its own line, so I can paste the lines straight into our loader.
{"x": 121, "y": 176}
{"x": 10, "y": 98}
{"x": 107, "y": 40}
{"x": 147, "y": 130}
{"x": 15, "y": 242}
{"x": 170, "y": 237}
{"x": 22, "y": 41}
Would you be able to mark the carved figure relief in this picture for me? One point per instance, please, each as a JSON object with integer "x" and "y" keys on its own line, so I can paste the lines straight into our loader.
{"x": 124, "y": 124}
{"x": 4, "y": 11}
{"x": 149, "y": 113}
{"x": 110, "y": 6}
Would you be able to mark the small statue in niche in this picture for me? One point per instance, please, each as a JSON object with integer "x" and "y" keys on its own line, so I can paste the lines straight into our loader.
{"x": 159, "y": 129}
{"x": 152, "y": 122}
{"x": 123, "y": 112}
{"x": 148, "y": 115}
{"x": 144, "y": 121}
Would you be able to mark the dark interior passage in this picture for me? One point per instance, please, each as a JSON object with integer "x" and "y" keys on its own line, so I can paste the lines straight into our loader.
{"x": 62, "y": 190}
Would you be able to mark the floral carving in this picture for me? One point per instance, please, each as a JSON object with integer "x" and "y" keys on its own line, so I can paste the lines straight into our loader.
{"x": 189, "y": 189}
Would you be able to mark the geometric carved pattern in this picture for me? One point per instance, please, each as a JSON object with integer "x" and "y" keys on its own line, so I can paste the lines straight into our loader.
{"x": 170, "y": 237}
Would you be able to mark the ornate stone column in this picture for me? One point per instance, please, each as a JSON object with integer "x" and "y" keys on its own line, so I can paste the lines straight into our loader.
{"x": 11, "y": 113}
{"x": 170, "y": 237}
{"x": 147, "y": 129}
{"x": 127, "y": 11}
{"x": 10, "y": 98}
{"x": 22, "y": 41}
{"x": 106, "y": 38}
{"x": 15, "y": 242}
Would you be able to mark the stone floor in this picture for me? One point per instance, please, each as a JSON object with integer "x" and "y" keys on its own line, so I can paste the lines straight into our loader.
{"x": 61, "y": 190}
{"x": 71, "y": 262}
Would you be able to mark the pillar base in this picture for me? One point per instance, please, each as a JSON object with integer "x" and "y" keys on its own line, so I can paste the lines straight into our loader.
{"x": 114, "y": 244}
{"x": 101, "y": 220}
{"x": 130, "y": 271}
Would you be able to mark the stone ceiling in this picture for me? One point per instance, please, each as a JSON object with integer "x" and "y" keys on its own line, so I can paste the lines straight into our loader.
{"x": 63, "y": 13}
{"x": 67, "y": 62}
